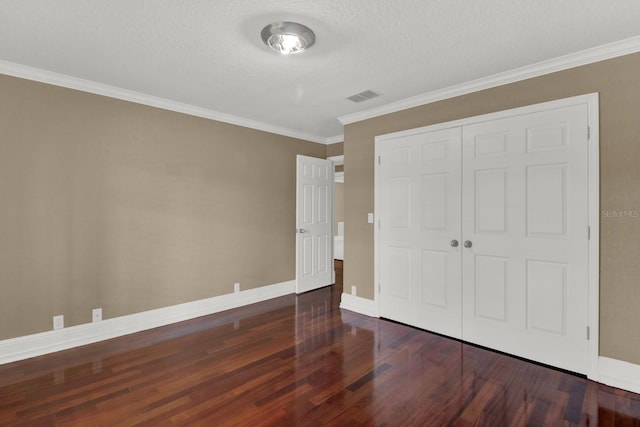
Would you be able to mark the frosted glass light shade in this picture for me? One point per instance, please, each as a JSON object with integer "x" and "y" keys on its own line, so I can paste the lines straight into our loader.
{"x": 288, "y": 37}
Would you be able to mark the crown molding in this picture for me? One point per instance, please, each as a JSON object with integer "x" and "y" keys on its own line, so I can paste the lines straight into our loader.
{"x": 588, "y": 56}
{"x": 334, "y": 139}
{"x": 70, "y": 82}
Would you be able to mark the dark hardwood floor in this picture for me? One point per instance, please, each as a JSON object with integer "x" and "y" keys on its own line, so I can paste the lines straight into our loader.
{"x": 299, "y": 361}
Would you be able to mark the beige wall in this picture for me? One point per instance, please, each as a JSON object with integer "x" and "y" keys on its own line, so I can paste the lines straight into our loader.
{"x": 336, "y": 149}
{"x": 116, "y": 205}
{"x": 619, "y": 86}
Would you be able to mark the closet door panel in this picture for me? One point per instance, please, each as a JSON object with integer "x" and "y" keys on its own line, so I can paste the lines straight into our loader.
{"x": 525, "y": 212}
{"x": 419, "y": 217}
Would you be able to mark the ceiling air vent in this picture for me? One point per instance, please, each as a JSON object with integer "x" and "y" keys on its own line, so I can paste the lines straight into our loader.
{"x": 363, "y": 96}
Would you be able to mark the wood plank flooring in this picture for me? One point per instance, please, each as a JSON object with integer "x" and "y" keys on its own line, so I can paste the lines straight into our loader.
{"x": 299, "y": 361}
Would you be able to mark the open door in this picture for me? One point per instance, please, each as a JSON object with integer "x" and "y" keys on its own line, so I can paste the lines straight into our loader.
{"x": 314, "y": 223}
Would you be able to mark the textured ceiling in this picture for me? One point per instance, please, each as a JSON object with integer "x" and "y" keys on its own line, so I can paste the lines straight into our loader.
{"x": 209, "y": 53}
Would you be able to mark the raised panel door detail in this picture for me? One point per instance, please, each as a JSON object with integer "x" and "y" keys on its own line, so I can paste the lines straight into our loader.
{"x": 323, "y": 173}
{"x": 490, "y": 145}
{"x": 491, "y": 287}
{"x": 491, "y": 201}
{"x": 308, "y": 171}
{"x": 546, "y": 201}
{"x": 398, "y": 157}
{"x": 435, "y": 150}
{"x": 323, "y": 254}
{"x": 546, "y": 296}
{"x": 307, "y": 204}
{"x": 398, "y": 271}
{"x": 434, "y": 278}
{"x": 323, "y": 204}
{"x": 307, "y": 245}
{"x": 546, "y": 138}
{"x": 400, "y": 202}
{"x": 434, "y": 201}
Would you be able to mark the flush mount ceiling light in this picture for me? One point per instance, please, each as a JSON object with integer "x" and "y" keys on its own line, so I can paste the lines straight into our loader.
{"x": 288, "y": 37}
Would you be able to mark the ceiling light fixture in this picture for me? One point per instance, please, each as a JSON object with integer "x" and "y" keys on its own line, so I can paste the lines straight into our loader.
{"x": 288, "y": 37}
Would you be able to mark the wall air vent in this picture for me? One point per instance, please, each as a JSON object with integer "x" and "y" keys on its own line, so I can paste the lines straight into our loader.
{"x": 364, "y": 96}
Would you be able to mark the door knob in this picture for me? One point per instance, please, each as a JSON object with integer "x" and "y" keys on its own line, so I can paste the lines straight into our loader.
{"x": 454, "y": 243}
{"x": 468, "y": 244}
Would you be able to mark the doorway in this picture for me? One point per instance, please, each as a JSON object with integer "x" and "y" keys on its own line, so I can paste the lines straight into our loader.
{"x": 338, "y": 208}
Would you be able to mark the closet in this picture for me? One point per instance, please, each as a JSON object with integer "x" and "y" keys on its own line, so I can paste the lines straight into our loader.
{"x": 483, "y": 231}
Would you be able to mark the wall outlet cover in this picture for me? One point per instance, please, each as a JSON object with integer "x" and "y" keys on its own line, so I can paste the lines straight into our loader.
{"x": 58, "y": 322}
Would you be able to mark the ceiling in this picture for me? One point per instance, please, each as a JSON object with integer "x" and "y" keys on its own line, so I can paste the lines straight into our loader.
{"x": 208, "y": 53}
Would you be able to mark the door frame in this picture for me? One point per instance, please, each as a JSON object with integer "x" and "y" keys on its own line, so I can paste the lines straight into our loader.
{"x": 592, "y": 102}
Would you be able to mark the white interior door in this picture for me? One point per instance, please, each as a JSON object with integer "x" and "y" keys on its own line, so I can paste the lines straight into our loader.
{"x": 314, "y": 223}
{"x": 419, "y": 230}
{"x": 525, "y": 214}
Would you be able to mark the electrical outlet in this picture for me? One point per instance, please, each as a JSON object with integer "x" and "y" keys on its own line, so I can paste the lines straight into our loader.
{"x": 58, "y": 322}
{"x": 353, "y": 291}
{"x": 236, "y": 287}
{"x": 96, "y": 315}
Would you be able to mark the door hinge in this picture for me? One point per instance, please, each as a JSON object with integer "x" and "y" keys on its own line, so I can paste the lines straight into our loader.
{"x": 588, "y": 132}
{"x": 379, "y": 160}
{"x": 379, "y": 224}
{"x": 379, "y": 288}
{"x": 588, "y": 333}
{"x": 589, "y": 232}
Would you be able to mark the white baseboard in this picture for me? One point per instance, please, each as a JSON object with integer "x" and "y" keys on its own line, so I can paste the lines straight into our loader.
{"x": 21, "y": 348}
{"x": 359, "y": 305}
{"x": 617, "y": 373}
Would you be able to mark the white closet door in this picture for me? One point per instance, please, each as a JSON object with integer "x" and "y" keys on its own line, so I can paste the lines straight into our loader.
{"x": 525, "y": 212}
{"x": 419, "y": 217}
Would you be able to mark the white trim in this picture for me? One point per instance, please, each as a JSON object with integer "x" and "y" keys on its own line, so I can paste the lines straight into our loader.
{"x": 377, "y": 195}
{"x": 337, "y": 160}
{"x": 20, "y": 348}
{"x": 588, "y": 56}
{"x": 63, "y": 80}
{"x": 620, "y": 374}
{"x": 591, "y": 100}
{"x": 592, "y": 103}
{"x": 334, "y": 139}
{"x": 339, "y": 177}
{"x": 359, "y": 305}
{"x": 593, "y": 113}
